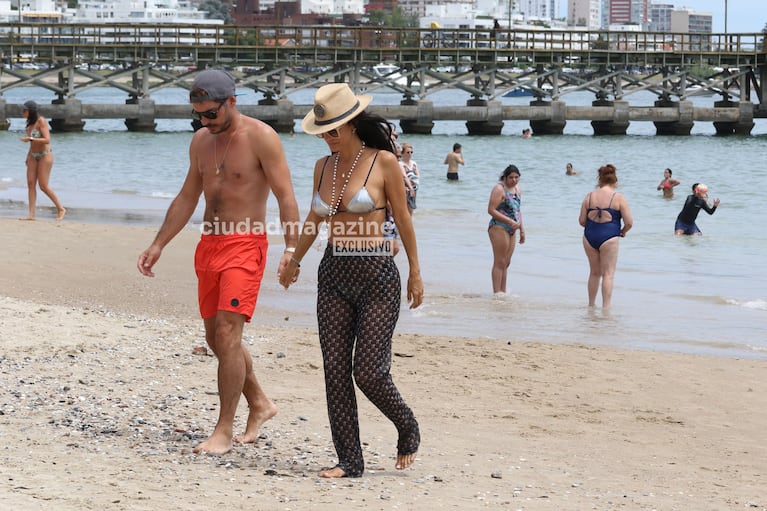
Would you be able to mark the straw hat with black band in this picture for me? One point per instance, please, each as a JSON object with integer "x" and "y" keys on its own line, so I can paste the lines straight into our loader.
{"x": 334, "y": 105}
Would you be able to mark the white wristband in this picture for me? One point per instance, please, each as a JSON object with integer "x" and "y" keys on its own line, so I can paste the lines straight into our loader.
{"x": 290, "y": 250}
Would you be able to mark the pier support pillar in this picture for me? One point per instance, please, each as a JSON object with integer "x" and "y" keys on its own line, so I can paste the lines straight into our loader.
{"x": 553, "y": 126}
{"x": 493, "y": 125}
{"x": 680, "y": 126}
{"x": 743, "y": 125}
{"x": 424, "y": 121}
{"x": 145, "y": 120}
{"x": 620, "y": 123}
{"x": 283, "y": 121}
{"x": 5, "y": 124}
{"x": 73, "y": 117}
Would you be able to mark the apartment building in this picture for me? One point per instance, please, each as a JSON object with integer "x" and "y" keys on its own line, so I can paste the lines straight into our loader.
{"x": 583, "y": 13}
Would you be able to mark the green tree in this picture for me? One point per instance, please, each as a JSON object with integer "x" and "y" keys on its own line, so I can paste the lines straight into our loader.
{"x": 396, "y": 18}
{"x": 216, "y": 10}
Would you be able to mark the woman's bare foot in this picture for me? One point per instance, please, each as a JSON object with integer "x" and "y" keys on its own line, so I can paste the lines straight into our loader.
{"x": 217, "y": 443}
{"x": 405, "y": 460}
{"x": 255, "y": 419}
{"x": 27, "y": 218}
{"x": 332, "y": 473}
{"x": 62, "y": 213}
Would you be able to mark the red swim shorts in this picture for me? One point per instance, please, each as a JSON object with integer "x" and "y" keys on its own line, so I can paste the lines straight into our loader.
{"x": 229, "y": 271}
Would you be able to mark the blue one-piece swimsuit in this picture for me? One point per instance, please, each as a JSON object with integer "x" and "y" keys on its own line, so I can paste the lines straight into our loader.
{"x": 597, "y": 233}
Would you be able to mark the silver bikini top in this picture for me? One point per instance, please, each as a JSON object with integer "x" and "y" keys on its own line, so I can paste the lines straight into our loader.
{"x": 362, "y": 202}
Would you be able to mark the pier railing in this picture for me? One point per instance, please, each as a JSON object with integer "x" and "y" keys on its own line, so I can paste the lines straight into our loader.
{"x": 330, "y": 45}
{"x": 139, "y": 59}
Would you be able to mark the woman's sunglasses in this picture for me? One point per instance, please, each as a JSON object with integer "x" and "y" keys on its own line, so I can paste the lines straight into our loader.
{"x": 331, "y": 134}
{"x": 208, "y": 114}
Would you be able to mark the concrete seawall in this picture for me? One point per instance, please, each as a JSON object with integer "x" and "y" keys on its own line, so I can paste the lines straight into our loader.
{"x": 486, "y": 117}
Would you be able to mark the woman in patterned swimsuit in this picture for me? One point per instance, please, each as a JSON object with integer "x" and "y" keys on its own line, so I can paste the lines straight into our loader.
{"x": 358, "y": 284}
{"x": 505, "y": 221}
{"x": 39, "y": 160}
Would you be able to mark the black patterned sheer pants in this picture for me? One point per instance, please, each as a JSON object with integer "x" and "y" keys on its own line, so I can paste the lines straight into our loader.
{"x": 358, "y": 304}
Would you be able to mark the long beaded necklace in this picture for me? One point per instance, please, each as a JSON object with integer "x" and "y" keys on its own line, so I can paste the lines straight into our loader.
{"x": 219, "y": 168}
{"x": 335, "y": 204}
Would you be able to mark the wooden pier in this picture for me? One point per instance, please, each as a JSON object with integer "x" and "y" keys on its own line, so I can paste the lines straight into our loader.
{"x": 274, "y": 61}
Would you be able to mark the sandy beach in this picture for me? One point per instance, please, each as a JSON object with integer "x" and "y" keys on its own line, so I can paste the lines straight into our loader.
{"x": 103, "y": 397}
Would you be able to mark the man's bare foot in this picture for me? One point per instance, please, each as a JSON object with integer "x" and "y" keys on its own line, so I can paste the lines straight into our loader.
{"x": 256, "y": 417}
{"x": 62, "y": 213}
{"x": 215, "y": 444}
{"x": 332, "y": 473}
{"x": 405, "y": 460}
{"x": 27, "y": 218}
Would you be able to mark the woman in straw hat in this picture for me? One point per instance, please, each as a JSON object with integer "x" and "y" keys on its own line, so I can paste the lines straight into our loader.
{"x": 358, "y": 298}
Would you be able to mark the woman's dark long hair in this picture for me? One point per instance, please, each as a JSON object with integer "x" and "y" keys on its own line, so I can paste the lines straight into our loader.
{"x": 32, "y": 117}
{"x": 374, "y": 130}
{"x": 511, "y": 169}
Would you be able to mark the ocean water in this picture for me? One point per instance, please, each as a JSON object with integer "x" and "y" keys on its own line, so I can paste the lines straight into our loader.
{"x": 703, "y": 295}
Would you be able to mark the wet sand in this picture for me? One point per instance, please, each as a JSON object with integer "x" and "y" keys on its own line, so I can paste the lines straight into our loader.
{"x": 103, "y": 397}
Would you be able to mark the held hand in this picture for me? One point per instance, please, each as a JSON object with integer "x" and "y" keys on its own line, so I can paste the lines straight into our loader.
{"x": 288, "y": 271}
{"x": 521, "y": 237}
{"x": 147, "y": 259}
{"x": 414, "y": 291}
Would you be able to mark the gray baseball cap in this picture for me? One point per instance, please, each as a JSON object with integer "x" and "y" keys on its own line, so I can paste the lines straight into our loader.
{"x": 214, "y": 84}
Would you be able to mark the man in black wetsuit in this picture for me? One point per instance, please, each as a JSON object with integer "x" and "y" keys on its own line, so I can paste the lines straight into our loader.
{"x": 685, "y": 222}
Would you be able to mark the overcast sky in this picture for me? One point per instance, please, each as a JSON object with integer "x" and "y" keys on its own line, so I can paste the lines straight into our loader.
{"x": 742, "y": 15}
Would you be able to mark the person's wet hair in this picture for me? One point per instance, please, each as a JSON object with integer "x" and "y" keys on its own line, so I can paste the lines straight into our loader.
{"x": 511, "y": 169}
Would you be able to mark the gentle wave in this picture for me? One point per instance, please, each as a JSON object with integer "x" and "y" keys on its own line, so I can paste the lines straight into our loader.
{"x": 750, "y": 304}
{"x": 162, "y": 195}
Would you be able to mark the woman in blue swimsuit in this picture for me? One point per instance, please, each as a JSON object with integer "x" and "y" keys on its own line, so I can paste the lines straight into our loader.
{"x": 505, "y": 221}
{"x": 601, "y": 213}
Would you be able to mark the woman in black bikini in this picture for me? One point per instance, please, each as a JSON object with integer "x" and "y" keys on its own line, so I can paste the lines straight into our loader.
{"x": 358, "y": 288}
{"x": 39, "y": 160}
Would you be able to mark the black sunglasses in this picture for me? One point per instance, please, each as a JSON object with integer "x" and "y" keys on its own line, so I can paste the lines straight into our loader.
{"x": 208, "y": 114}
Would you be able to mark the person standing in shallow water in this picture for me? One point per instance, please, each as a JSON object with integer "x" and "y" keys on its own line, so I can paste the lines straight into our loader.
{"x": 39, "y": 160}
{"x": 410, "y": 175}
{"x": 601, "y": 213}
{"x": 234, "y": 161}
{"x": 505, "y": 220}
{"x": 685, "y": 221}
{"x": 358, "y": 290}
{"x": 453, "y": 160}
{"x": 668, "y": 184}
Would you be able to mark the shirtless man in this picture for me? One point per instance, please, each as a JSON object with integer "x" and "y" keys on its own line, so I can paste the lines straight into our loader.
{"x": 234, "y": 163}
{"x": 452, "y": 160}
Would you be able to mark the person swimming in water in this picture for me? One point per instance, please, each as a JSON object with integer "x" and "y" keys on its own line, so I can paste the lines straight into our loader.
{"x": 601, "y": 213}
{"x": 685, "y": 221}
{"x": 668, "y": 184}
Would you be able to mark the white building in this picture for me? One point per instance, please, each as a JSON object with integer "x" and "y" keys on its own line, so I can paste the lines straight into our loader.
{"x": 140, "y": 11}
{"x": 583, "y": 13}
{"x": 538, "y": 9}
{"x": 685, "y": 20}
{"x": 332, "y": 6}
{"x": 660, "y": 17}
